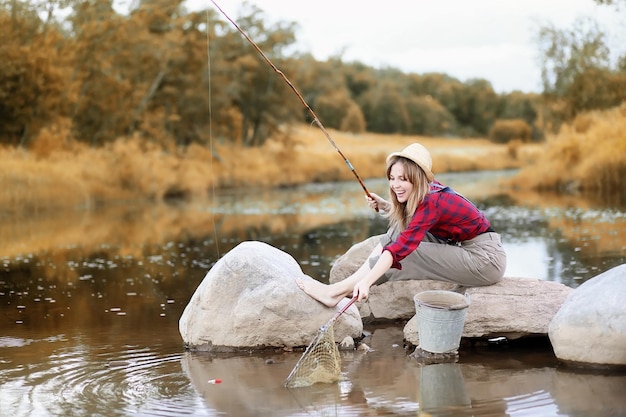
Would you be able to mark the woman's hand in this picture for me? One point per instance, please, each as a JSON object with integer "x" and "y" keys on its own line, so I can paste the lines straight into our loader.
{"x": 376, "y": 202}
{"x": 361, "y": 290}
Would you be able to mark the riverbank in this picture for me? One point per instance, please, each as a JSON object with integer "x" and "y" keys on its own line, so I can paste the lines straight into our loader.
{"x": 588, "y": 154}
{"x": 53, "y": 175}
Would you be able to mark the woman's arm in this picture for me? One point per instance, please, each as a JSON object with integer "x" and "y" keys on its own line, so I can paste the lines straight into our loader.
{"x": 362, "y": 288}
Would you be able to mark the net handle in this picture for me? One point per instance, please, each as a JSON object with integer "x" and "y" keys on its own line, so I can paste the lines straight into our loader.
{"x": 347, "y": 306}
{"x": 339, "y": 313}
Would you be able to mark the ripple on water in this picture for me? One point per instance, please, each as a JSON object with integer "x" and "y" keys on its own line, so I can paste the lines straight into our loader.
{"x": 83, "y": 382}
{"x": 75, "y": 379}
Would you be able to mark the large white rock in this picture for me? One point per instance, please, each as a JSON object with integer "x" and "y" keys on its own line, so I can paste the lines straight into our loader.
{"x": 590, "y": 327}
{"x": 250, "y": 299}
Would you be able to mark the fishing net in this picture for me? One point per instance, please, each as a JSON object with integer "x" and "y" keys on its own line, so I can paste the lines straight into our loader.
{"x": 320, "y": 362}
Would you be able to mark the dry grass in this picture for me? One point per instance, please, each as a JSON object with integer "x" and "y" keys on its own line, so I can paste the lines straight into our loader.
{"x": 314, "y": 159}
{"x": 587, "y": 154}
{"x": 56, "y": 173}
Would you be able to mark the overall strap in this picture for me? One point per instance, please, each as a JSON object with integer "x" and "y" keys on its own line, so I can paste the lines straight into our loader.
{"x": 445, "y": 189}
{"x": 439, "y": 188}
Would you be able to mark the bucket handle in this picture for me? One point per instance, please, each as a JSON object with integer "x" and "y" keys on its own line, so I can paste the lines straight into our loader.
{"x": 459, "y": 306}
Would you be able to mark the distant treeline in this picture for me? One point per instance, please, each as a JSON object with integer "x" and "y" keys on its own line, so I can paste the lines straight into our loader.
{"x": 175, "y": 77}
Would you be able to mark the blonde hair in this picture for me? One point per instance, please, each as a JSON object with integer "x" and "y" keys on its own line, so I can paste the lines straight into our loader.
{"x": 401, "y": 214}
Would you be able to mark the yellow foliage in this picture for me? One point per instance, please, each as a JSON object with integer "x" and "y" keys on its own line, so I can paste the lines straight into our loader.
{"x": 587, "y": 154}
{"x": 52, "y": 138}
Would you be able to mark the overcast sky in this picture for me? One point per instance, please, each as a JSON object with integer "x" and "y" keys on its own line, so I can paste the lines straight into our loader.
{"x": 490, "y": 39}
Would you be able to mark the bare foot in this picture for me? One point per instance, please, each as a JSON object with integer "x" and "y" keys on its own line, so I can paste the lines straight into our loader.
{"x": 323, "y": 293}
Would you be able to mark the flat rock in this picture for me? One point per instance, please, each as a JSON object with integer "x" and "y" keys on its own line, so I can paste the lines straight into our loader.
{"x": 513, "y": 308}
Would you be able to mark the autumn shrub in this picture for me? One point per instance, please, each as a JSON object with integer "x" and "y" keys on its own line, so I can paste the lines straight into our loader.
{"x": 353, "y": 121}
{"x": 588, "y": 154}
{"x": 505, "y": 130}
{"x": 330, "y": 108}
{"x": 52, "y": 138}
{"x": 429, "y": 117}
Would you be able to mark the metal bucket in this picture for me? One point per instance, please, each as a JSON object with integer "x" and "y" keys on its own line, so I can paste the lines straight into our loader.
{"x": 440, "y": 320}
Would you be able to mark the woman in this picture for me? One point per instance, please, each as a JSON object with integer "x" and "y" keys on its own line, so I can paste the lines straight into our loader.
{"x": 434, "y": 233}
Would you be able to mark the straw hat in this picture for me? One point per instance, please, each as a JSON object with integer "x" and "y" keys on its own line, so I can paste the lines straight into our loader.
{"x": 418, "y": 154}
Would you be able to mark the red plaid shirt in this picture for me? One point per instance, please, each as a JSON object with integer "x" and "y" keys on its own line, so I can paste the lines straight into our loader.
{"x": 445, "y": 214}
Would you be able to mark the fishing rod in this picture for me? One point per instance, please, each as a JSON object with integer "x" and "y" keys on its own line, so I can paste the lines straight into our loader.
{"x": 316, "y": 120}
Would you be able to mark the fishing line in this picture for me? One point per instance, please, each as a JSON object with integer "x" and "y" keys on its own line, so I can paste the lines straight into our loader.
{"x": 295, "y": 90}
{"x": 211, "y": 150}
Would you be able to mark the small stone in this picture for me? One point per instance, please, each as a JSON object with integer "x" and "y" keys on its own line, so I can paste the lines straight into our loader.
{"x": 347, "y": 343}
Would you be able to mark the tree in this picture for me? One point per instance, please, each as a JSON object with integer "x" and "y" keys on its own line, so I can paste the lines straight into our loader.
{"x": 477, "y": 107}
{"x": 173, "y": 77}
{"x": 577, "y": 69}
{"x": 596, "y": 89}
{"x": 518, "y": 105}
{"x": 359, "y": 78}
{"x": 616, "y": 3}
{"x": 139, "y": 74}
{"x": 565, "y": 54}
{"x": 321, "y": 85}
{"x": 332, "y": 108}
{"x": 262, "y": 97}
{"x": 428, "y": 117}
{"x": 31, "y": 84}
{"x": 106, "y": 47}
{"x": 384, "y": 108}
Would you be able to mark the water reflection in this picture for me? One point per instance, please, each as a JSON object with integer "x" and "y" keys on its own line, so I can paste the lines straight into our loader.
{"x": 314, "y": 223}
{"x": 250, "y": 385}
{"x": 386, "y": 382}
{"x": 84, "y": 374}
{"x": 442, "y": 387}
{"x": 90, "y": 302}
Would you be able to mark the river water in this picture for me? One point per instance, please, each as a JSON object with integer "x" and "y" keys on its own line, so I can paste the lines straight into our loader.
{"x": 90, "y": 302}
